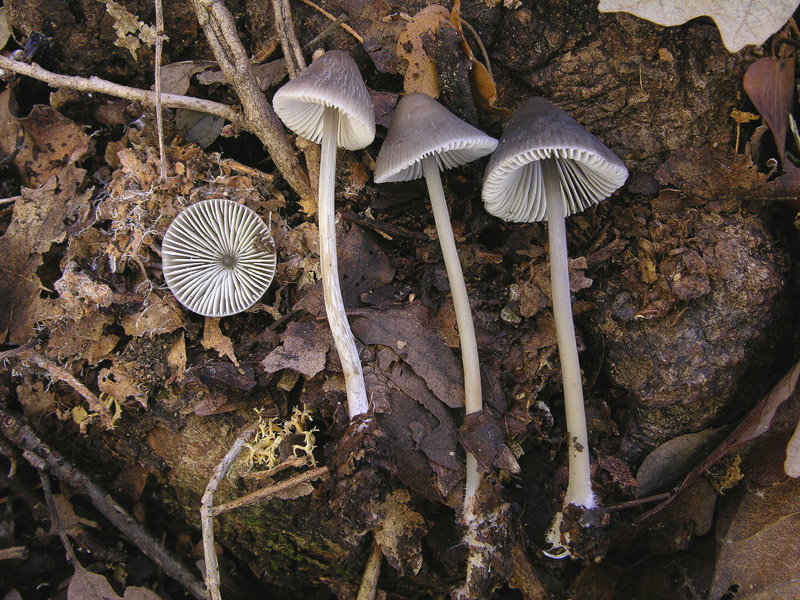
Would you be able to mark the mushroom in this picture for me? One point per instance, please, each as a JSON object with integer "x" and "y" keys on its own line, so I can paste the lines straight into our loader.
{"x": 547, "y": 167}
{"x": 423, "y": 138}
{"x": 218, "y": 257}
{"x": 328, "y": 104}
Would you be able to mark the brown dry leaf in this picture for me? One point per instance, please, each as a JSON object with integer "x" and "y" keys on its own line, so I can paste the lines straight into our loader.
{"x": 214, "y": 339}
{"x": 51, "y": 141}
{"x": 671, "y": 460}
{"x": 119, "y": 382}
{"x": 176, "y": 359}
{"x": 85, "y": 337}
{"x": 131, "y": 32}
{"x": 739, "y": 23}
{"x": 86, "y": 585}
{"x": 401, "y": 532}
{"x": 759, "y": 552}
{"x": 304, "y": 349}
{"x": 769, "y": 82}
{"x": 176, "y": 77}
{"x": 5, "y": 28}
{"x": 39, "y": 220}
{"x": 791, "y": 465}
{"x": 421, "y": 75}
{"x": 159, "y": 315}
{"x": 483, "y": 88}
{"x": 410, "y": 331}
{"x": 481, "y": 435}
{"x": 37, "y": 399}
{"x": 379, "y": 24}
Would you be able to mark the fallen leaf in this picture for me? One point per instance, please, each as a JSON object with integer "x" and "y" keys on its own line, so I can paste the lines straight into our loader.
{"x": 131, "y": 32}
{"x": 51, "y": 141}
{"x": 5, "y": 28}
{"x": 120, "y": 383}
{"x": 304, "y": 348}
{"x": 671, "y": 460}
{"x": 421, "y": 75}
{"x": 759, "y": 554}
{"x": 176, "y": 77}
{"x": 42, "y": 217}
{"x": 214, "y": 339}
{"x": 85, "y": 585}
{"x": 739, "y": 23}
{"x": 401, "y": 531}
{"x": 379, "y": 24}
{"x": 159, "y": 316}
{"x": 176, "y": 359}
{"x": 410, "y": 331}
{"x": 240, "y": 378}
{"x": 769, "y": 82}
{"x": 481, "y": 435}
{"x": 199, "y": 128}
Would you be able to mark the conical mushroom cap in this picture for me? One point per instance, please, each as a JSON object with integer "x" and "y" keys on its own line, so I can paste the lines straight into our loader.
{"x": 422, "y": 127}
{"x": 332, "y": 80}
{"x": 513, "y": 188}
{"x": 218, "y": 257}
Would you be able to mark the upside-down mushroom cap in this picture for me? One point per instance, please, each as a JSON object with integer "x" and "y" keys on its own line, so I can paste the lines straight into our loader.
{"x": 333, "y": 80}
{"x": 422, "y": 127}
{"x": 218, "y": 257}
{"x": 513, "y": 188}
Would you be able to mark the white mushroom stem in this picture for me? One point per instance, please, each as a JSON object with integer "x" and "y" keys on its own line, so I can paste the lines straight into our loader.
{"x": 579, "y": 488}
{"x": 458, "y": 289}
{"x": 334, "y": 306}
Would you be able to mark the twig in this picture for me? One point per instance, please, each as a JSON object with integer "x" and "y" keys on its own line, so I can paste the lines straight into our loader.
{"x": 62, "y": 375}
{"x": 372, "y": 570}
{"x": 259, "y": 118}
{"x": 14, "y": 553}
{"x": 159, "y": 116}
{"x": 284, "y": 23}
{"x": 96, "y": 85}
{"x": 207, "y": 507}
{"x": 4, "y": 356}
{"x": 23, "y": 437}
{"x": 326, "y": 32}
{"x": 328, "y": 15}
{"x": 295, "y": 461}
{"x": 55, "y": 519}
{"x": 10, "y": 200}
{"x": 637, "y": 502}
{"x": 271, "y": 490}
{"x": 382, "y": 227}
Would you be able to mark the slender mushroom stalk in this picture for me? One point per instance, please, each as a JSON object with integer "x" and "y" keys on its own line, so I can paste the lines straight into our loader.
{"x": 328, "y": 103}
{"x": 424, "y": 136}
{"x": 547, "y": 167}
{"x": 218, "y": 257}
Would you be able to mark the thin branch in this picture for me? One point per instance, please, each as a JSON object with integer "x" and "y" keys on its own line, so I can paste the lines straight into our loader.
{"x": 207, "y": 508}
{"x": 259, "y": 118}
{"x": 36, "y": 451}
{"x": 14, "y": 553}
{"x": 329, "y": 16}
{"x": 159, "y": 116}
{"x": 268, "y": 492}
{"x": 284, "y": 23}
{"x": 95, "y": 85}
{"x": 372, "y": 570}
{"x": 55, "y": 518}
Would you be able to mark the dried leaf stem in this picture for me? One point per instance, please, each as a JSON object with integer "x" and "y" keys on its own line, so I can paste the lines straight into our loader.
{"x": 372, "y": 570}
{"x": 328, "y": 15}
{"x": 258, "y": 116}
{"x": 36, "y": 451}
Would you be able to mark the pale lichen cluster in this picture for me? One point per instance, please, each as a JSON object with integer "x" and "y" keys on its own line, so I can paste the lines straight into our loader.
{"x": 272, "y": 442}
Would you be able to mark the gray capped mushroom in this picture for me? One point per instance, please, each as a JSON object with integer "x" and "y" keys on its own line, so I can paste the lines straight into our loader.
{"x": 328, "y": 104}
{"x": 423, "y": 138}
{"x": 218, "y": 257}
{"x": 546, "y": 167}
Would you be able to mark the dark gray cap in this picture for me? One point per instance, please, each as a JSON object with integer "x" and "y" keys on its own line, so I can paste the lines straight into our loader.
{"x": 422, "y": 127}
{"x": 513, "y": 188}
{"x": 332, "y": 80}
{"x": 218, "y": 257}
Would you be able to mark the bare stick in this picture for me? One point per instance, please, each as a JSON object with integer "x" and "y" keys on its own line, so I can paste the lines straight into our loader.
{"x": 14, "y": 553}
{"x": 159, "y": 116}
{"x": 95, "y": 85}
{"x": 259, "y": 118}
{"x": 284, "y": 23}
{"x": 23, "y": 437}
{"x": 329, "y": 16}
{"x": 207, "y": 508}
{"x": 270, "y": 491}
{"x": 57, "y": 372}
{"x": 372, "y": 570}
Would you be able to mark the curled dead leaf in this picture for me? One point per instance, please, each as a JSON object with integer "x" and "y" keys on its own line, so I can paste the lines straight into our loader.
{"x": 421, "y": 75}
